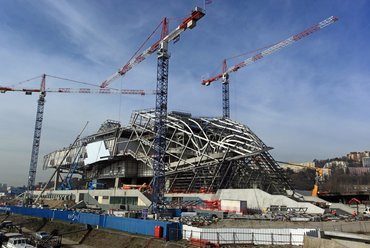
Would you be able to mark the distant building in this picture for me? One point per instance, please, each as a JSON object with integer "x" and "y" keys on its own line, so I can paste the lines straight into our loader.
{"x": 14, "y": 191}
{"x": 305, "y": 166}
{"x": 298, "y": 167}
{"x": 326, "y": 172}
{"x": 366, "y": 161}
{"x": 357, "y": 156}
{"x": 335, "y": 165}
{"x": 3, "y": 187}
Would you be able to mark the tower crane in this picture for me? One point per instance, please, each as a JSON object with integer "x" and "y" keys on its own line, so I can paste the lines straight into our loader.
{"x": 40, "y": 113}
{"x": 161, "y": 47}
{"x": 224, "y": 75}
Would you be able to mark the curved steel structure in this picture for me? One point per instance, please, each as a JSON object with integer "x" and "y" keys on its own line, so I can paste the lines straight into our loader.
{"x": 202, "y": 155}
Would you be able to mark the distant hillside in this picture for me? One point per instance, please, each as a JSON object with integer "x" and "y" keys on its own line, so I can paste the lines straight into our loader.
{"x": 350, "y": 173}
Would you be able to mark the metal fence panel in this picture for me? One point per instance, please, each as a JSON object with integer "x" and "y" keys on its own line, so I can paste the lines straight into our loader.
{"x": 138, "y": 226}
{"x": 91, "y": 219}
{"x": 63, "y": 215}
{"x": 263, "y": 236}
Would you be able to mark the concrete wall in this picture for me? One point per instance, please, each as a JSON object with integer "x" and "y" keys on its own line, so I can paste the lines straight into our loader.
{"x": 255, "y": 198}
{"x": 202, "y": 196}
{"x": 76, "y": 194}
{"x": 232, "y": 205}
{"x": 259, "y": 199}
{"x": 312, "y": 242}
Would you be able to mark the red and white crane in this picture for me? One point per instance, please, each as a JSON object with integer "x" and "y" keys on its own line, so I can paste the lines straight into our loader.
{"x": 29, "y": 91}
{"x": 40, "y": 113}
{"x": 161, "y": 47}
{"x": 270, "y": 50}
{"x": 188, "y": 22}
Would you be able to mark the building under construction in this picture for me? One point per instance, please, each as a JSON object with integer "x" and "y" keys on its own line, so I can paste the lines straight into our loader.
{"x": 203, "y": 155}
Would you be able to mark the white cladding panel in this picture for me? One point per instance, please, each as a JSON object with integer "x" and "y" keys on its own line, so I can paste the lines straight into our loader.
{"x": 233, "y": 205}
{"x": 96, "y": 151}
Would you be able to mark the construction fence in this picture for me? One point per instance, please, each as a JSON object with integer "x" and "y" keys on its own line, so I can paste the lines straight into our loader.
{"x": 262, "y": 236}
{"x": 170, "y": 230}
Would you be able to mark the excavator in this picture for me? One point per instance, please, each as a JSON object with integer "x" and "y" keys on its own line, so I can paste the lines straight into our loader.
{"x": 318, "y": 177}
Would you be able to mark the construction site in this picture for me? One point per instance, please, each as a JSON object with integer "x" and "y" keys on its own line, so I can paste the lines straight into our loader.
{"x": 188, "y": 180}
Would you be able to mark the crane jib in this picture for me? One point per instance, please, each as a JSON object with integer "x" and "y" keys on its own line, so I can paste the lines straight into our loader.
{"x": 274, "y": 48}
{"x": 189, "y": 22}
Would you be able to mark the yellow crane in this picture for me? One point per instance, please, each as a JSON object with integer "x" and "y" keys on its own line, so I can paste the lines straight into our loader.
{"x": 318, "y": 177}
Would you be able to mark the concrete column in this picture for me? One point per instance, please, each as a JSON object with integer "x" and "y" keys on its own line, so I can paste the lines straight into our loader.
{"x": 116, "y": 183}
{"x": 56, "y": 180}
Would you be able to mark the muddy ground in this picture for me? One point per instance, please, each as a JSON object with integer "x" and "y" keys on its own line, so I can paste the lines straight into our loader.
{"x": 99, "y": 238}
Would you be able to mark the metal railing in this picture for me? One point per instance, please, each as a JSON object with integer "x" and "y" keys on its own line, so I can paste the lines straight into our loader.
{"x": 232, "y": 236}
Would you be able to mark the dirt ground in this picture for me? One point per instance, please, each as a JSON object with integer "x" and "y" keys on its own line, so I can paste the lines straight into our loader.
{"x": 100, "y": 238}
{"x": 97, "y": 238}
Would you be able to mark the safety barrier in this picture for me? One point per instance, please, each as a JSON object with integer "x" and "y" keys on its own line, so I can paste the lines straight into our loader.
{"x": 254, "y": 236}
{"x": 130, "y": 225}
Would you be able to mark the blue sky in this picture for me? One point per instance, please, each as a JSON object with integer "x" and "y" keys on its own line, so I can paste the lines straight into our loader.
{"x": 309, "y": 100}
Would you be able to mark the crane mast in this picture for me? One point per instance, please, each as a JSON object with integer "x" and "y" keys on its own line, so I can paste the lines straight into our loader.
{"x": 225, "y": 92}
{"x": 160, "y": 128}
{"x": 36, "y": 137}
{"x": 161, "y": 47}
{"x": 270, "y": 50}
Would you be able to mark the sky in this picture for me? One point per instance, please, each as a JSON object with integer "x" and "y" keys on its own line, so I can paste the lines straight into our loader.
{"x": 308, "y": 101}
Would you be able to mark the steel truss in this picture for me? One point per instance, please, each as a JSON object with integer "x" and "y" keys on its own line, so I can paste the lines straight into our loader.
{"x": 207, "y": 154}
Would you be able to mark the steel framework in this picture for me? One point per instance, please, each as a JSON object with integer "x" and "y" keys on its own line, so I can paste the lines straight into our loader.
{"x": 207, "y": 154}
{"x": 202, "y": 154}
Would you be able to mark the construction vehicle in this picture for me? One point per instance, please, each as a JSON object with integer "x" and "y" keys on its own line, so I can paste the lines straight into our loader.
{"x": 92, "y": 185}
{"x": 224, "y": 75}
{"x": 161, "y": 47}
{"x": 66, "y": 183}
{"x": 318, "y": 177}
{"x": 56, "y": 171}
{"x": 18, "y": 242}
